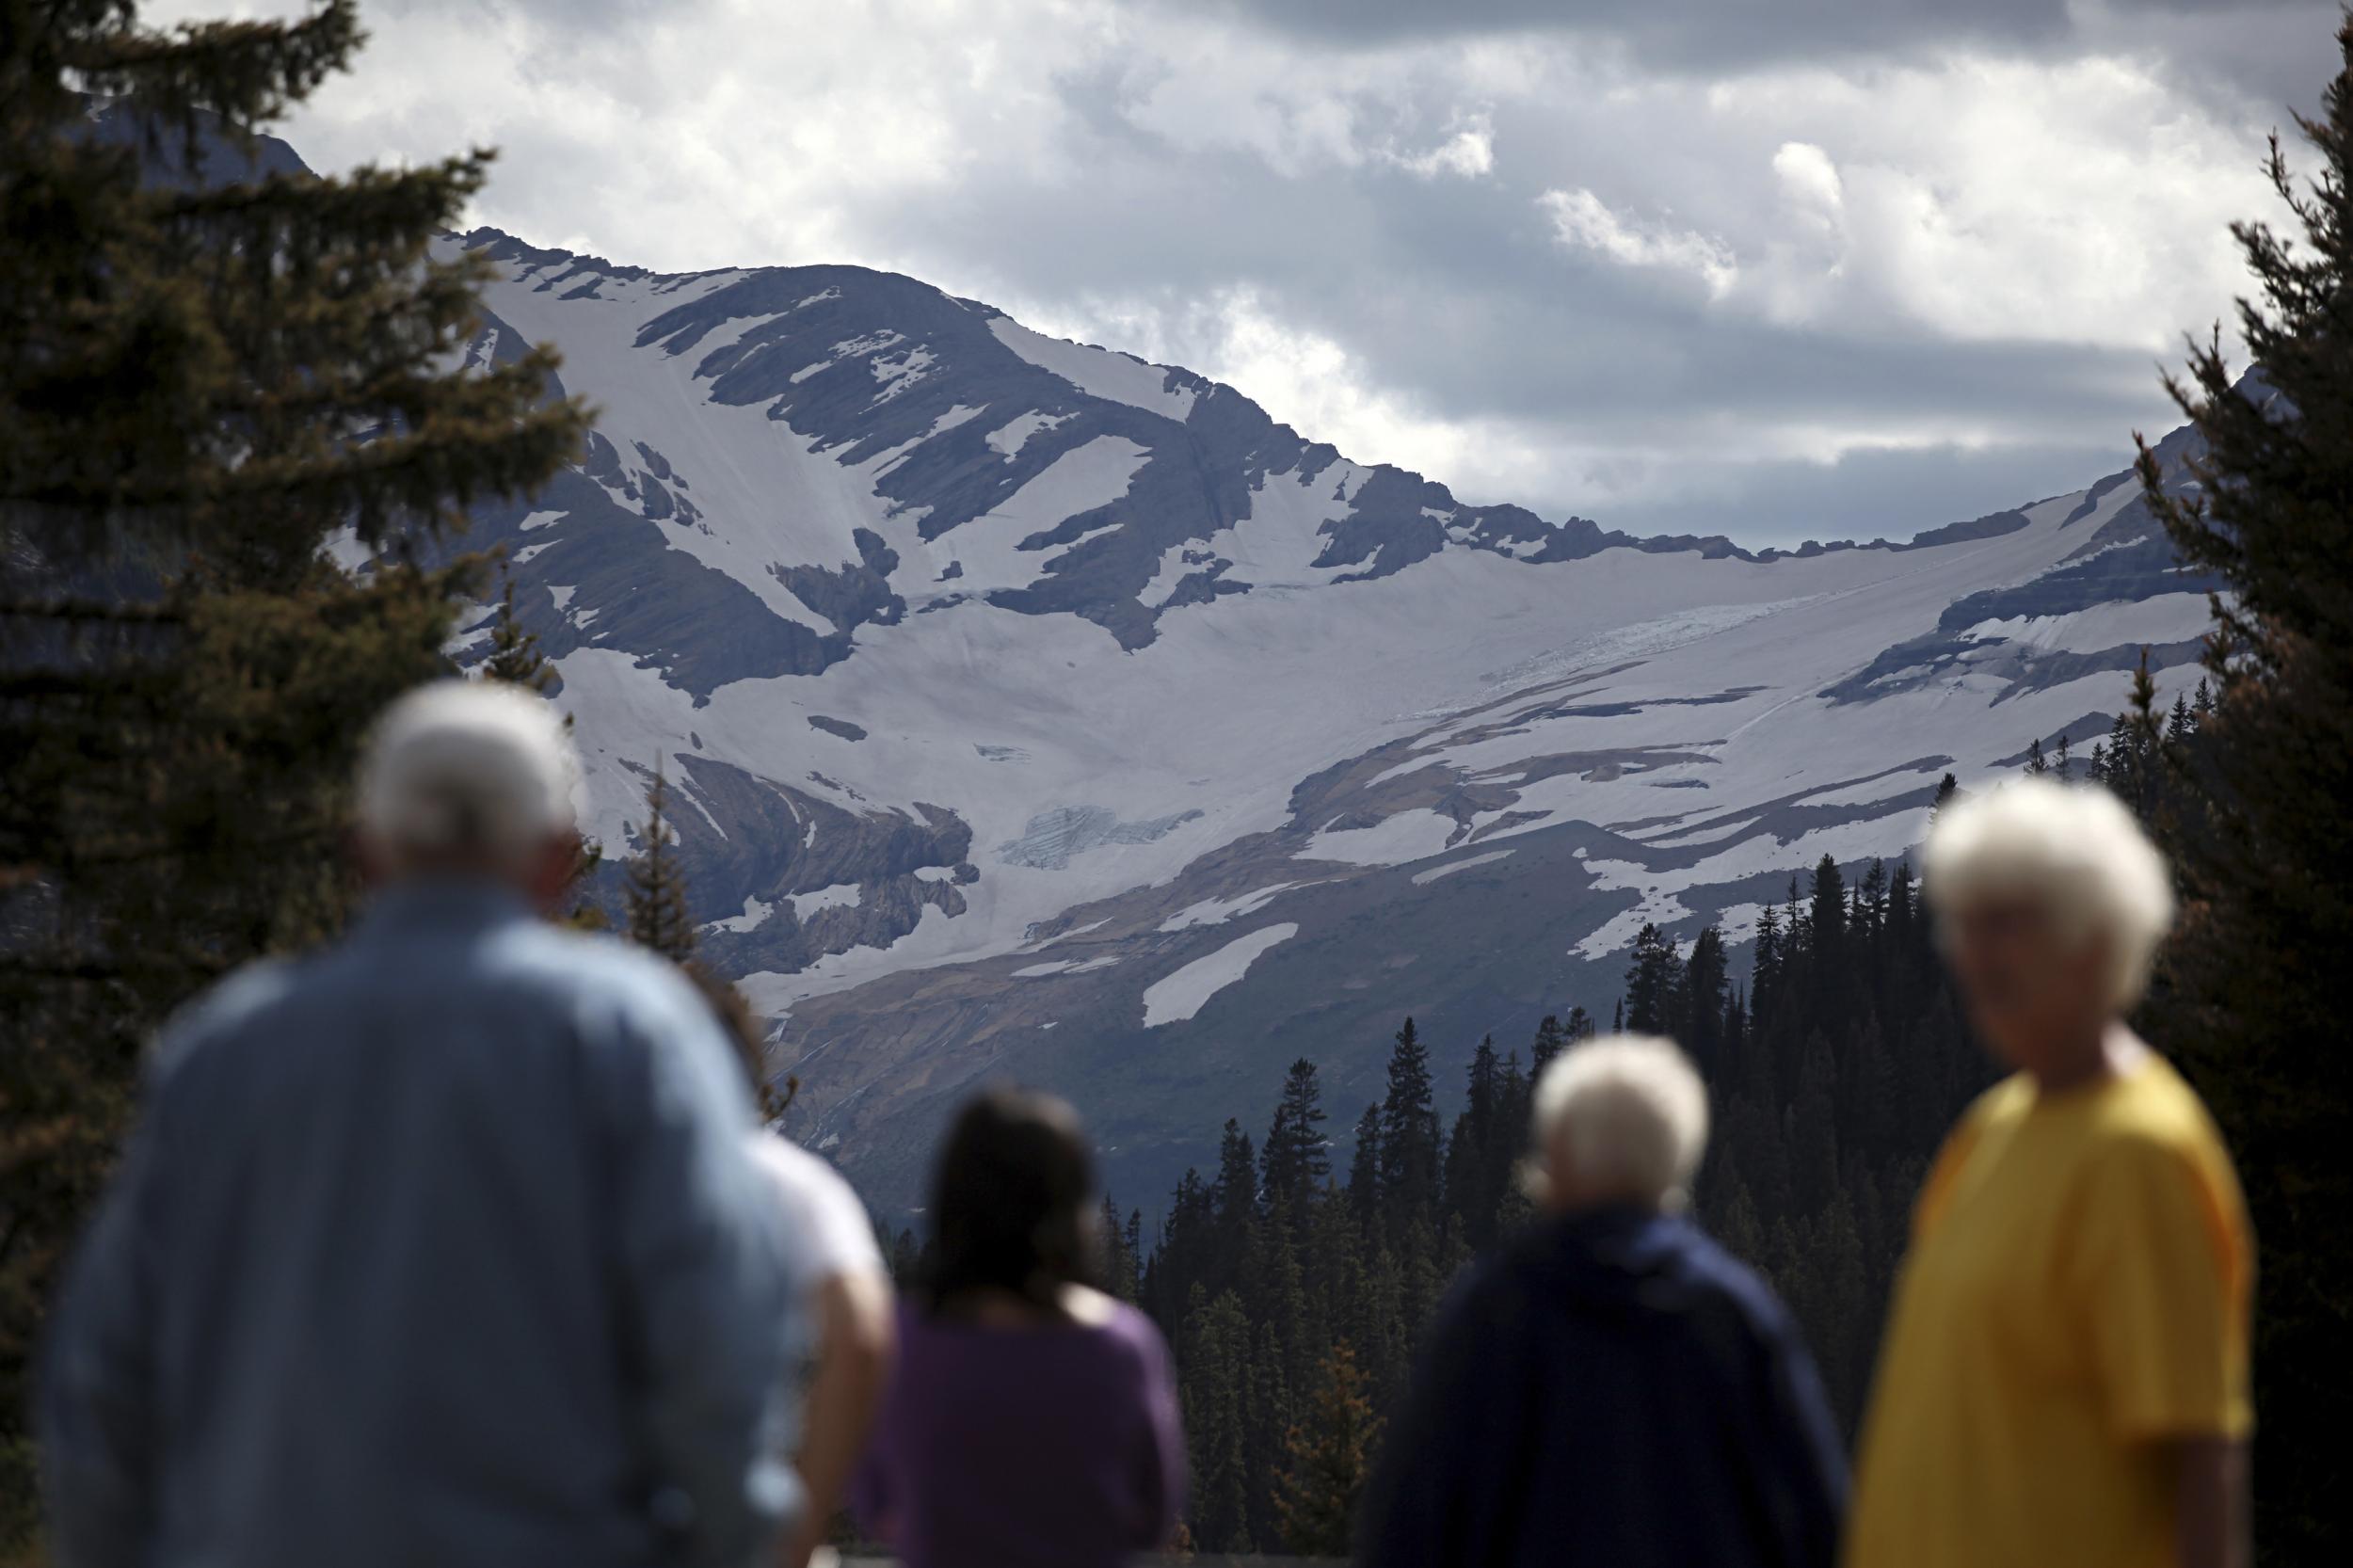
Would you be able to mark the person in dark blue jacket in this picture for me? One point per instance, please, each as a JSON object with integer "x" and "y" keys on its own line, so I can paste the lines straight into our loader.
{"x": 1612, "y": 1387}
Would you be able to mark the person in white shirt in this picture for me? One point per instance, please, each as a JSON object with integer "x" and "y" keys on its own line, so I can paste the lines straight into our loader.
{"x": 843, "y": 1289}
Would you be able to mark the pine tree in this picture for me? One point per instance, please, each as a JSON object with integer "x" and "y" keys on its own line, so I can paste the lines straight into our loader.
{"x": 515, "y": 657}
{"x": 1471, "y": 1167}
{"x": 1212, "y": 1369}
{"x": 1765, "y": 965}
{"x": 1295, "y": 1161}
{"x": 1550, "y": 1038}
{"x": 1946, "y": 788}
{"x": 2036, "y": 767}
{"x": 656, "y": 886}
{"x": 1366, "y": 1199}
{"x": 2127, "y": 771}
{"x": 2062, "y": 763}
{"x": 184, "y": 677}
{"x": 2257, "y": 991}
{"x": 1827, "y": 925}
{"x": 1654, "y": 983}
{"x": 1234, "y": 1200}
{"x": 1121, "y": 1274}
{"x": 1329, "y": 1460}
{"x": 1705, "y": 978}
{"x": 1409, "y": 1135}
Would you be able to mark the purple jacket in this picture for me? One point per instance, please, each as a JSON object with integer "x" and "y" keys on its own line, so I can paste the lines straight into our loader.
{"x": 1053, "y": 1447}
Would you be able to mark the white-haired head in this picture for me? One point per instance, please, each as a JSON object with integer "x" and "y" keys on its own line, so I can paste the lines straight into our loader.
{"x": 467, "y": 775}
{"x": 1619, "y": 1120}
{"x": 2073, "y": 852}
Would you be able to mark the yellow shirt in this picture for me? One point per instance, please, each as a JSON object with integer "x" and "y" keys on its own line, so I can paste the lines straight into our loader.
{"x": 2078, "y": 1288}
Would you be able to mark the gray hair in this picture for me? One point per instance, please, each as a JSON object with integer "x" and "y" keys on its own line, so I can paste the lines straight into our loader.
{"x": 468, "y": 770}
{"x": 1627, "y": 1115}
{"x": 2072, "y": 850}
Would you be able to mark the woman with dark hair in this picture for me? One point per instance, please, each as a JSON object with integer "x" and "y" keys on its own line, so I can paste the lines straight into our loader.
{"x": 1030, "y": 1420}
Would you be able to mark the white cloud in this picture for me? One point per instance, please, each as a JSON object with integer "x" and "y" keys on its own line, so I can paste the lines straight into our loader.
{"x": 2082, "y": 201}
{"x": 1581, "y": 221}
{"x": 1809, "y": 181}
{"x": 1522, "y": 263}
{"x": 1468, "y": 154}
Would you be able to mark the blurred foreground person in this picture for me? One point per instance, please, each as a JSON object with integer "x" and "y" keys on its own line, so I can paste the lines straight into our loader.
{"x": 846, "y": 1321}
{"x": 441, "y": 1245}
{"x": 2064, "y": 1378}
{"x": 1612, "y": 1387}
{"x": 1031, "y": 1420}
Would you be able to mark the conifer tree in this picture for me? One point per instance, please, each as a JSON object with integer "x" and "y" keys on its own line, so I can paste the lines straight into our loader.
{"x": 514, "y": 656}
{"x": 1471, "y": 1168}
{"x": 1364, "y": 1196}
{"x": 2036, "y": 766}
{"x": 1706, "y": 979}
{"x": 1329, "y": 1457}
{"x": 1827, "y": 926}
{"x": 2061, "y": 763}
{"x": 1119, "y": 1262}
{"x": 1654, "y": 983}
{"x": 2256, "y": 990}
{"x": 1294, "y": 1162}
{"x": 656, "y": 886}
{"x": 1212, "y": 1369}
{"x": 1550, "y": 1037}
{"x": 2179, "y": 726}
{"x": 1765, "y": 962}
{"x": 1409, "y": 1135}
{"x": 1234, "y": 1201}
{"x": 185, "y": 677}
{"x": 1946, "y": 788}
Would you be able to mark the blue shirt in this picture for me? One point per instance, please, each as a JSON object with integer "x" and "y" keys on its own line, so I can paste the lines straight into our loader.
{"x": 442, "y": 1247}
{"x": 1611, "y": 1388}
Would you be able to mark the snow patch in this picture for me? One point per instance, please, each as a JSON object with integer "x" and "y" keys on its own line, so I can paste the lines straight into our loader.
{"x": 1012, "y": 435}
{"x": 1185, "y": 992}
{"x": 841, "y": 895}
{"x": 1414, "y": 834}
{"x": 755, "y": 911}
{"x": 1422, "y": 879}
{"x": 1217, "y": 911}
{"x": 1097, "y": 372}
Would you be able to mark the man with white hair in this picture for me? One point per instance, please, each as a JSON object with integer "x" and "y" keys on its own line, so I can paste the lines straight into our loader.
{"x": 441, "y": 1245}
{"x": 1612, "y": 1387}
{"x": 2065, "y": 1374}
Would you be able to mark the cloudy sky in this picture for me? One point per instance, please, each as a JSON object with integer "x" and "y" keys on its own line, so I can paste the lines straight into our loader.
{"x": 1808, "y": 268}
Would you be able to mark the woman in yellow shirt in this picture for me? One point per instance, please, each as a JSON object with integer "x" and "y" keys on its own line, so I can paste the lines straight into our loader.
{"x": 2064, "y": 1379}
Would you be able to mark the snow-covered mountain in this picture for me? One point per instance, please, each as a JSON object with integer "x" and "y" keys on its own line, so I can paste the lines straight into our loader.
{"x": 1036, "y": 711}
